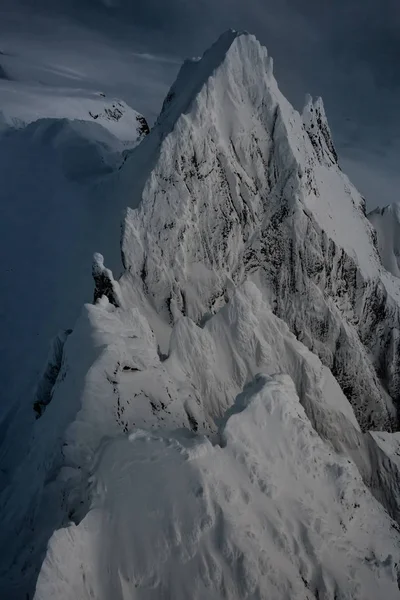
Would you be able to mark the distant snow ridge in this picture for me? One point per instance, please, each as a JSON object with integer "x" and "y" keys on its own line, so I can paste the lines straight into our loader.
{"x": 386, "y": 222}
{"x": 207, "y": 436}
{"x": 23, "y": 103}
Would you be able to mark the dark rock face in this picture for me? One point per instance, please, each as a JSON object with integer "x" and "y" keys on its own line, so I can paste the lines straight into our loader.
{"x": 104, "y": 281}
{"x": 104, "y": 287}
{"x": 143, "y": 127}
{"x": 317, "y": 128}
{"x": 320, "y": 293}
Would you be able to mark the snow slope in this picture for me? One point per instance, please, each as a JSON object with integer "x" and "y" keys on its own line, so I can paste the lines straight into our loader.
{"x": 203, "y": 429}
{"x": 386, "y": 222}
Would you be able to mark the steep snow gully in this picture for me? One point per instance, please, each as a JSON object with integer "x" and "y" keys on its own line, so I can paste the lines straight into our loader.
{"x": 221, "y": 422}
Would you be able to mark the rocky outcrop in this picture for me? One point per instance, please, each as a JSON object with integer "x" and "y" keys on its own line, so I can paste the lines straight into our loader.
{"x": 105, "y": 284}
{"x": 143, "y": 127}
{"x": 317, "y": 127}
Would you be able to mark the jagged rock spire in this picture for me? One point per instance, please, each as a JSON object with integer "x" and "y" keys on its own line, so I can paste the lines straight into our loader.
{"x": 316, "y": 125}
{"x": 143, "y": 127}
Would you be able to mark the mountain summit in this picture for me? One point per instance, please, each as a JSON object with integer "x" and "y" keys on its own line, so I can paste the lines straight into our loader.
{"x": 222, "y": 420}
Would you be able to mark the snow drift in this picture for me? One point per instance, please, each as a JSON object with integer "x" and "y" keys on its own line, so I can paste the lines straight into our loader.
{"x": 206, "y": 431}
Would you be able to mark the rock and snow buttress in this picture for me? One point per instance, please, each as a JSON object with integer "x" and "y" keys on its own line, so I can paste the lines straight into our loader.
{"x": 207, "y": 433}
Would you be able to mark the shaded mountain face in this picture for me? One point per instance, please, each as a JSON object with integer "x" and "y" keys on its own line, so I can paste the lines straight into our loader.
{"x": 206, "y": 421}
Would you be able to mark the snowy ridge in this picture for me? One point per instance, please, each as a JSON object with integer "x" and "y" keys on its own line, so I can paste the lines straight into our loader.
{"x": 206, "y": 433}
{"x": 22, "y": 103}
{"x": 271, "y": 512}
{"x": 121, "y": 387}
{"x": 386, "y": 222}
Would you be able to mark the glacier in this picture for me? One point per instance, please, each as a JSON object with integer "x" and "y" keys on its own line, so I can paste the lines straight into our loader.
{"x": 222, "y": 421}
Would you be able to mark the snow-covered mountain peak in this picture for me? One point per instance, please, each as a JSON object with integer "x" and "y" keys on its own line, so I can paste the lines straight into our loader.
{"x": 228, "y": 104}
{"x": 233, "y": 183}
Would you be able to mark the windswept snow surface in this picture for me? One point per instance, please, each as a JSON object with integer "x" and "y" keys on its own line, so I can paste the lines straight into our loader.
{"x": 386, "y": 222}
{"x": 268, "y": 512}
{"x": 203, "y": 430}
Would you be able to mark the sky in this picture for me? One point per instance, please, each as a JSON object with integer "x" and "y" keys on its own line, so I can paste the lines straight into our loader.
{"x": 347, "y": 51}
